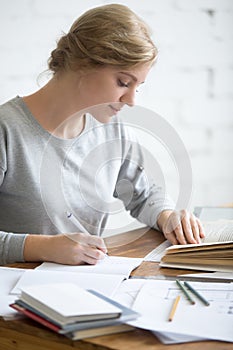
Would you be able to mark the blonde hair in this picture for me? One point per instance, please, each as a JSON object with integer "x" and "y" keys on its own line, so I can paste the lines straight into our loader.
{"x": 106, "y": 35}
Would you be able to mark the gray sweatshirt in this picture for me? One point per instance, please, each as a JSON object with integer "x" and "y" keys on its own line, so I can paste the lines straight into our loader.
{"x": 43, "y": 176}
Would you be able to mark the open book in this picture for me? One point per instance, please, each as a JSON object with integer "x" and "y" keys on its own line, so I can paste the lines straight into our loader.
{"x": 215, "y": 253}
{"x": 117, "y": 265}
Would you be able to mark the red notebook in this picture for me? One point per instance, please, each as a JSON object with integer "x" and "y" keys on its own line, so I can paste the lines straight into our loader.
{"x": 36, "y": 317}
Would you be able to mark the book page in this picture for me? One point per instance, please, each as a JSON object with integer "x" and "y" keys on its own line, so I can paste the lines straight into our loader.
{"x": 200, "y": 267}
{"x": 116, "y": 265}
{"x": 218, "y": 231}
{"x": 184, "y": 248}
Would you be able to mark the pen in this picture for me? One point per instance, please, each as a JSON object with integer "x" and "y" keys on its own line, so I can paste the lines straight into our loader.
{"x": 199, "y": 296}
{"x": 185, "y": 292}
{"x": 74, "y": 220}
{"x": 174, "y": 307}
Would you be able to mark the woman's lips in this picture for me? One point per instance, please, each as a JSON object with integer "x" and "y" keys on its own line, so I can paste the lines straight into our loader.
{"x": 115, "y": 110}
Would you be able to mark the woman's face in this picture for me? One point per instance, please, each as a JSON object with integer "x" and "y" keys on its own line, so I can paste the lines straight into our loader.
{"x": 105, "y": 91}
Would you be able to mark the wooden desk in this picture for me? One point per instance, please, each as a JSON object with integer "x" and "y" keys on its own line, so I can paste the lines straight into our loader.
{"x": 27, "y": 335}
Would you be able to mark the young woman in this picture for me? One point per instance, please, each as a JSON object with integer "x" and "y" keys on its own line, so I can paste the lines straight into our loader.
{"x": 52, "y": 141}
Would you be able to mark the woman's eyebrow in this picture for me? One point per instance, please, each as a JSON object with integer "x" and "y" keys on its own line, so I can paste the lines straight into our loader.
{"x": 130, "y": 75}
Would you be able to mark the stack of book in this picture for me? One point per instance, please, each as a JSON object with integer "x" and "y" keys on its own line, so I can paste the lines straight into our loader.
{"x": 72, "y": 311}
{"x": 217, "y": 256}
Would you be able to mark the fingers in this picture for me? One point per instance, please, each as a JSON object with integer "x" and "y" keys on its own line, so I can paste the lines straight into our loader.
{"x": 173, "y": 229}
{"x": 190, "y": 228}
{"x": 89, "y": 240}
{"x": 195, "y": 229}
{"x": 183, "y": 227}
{"x": 90, "y": 249}
{"x": 171, "y": 238}
{"x": 93, "y": 255}
{"x": 97, "y": 242}
{"x": 201, "y": 228}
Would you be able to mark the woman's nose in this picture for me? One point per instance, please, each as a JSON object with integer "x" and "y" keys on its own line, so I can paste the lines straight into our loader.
{"x": 128, "y": 98}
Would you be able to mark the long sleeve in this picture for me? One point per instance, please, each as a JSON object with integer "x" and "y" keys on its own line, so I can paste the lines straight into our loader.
{"x": 11, "y": 245}
{"x": 138, "y": 190}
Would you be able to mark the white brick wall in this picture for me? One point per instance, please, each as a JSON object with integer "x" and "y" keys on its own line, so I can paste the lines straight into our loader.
{"x": 191, "y": 85}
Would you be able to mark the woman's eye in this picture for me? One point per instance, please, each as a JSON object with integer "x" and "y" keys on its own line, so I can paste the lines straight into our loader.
{"x": 121, "y": 83}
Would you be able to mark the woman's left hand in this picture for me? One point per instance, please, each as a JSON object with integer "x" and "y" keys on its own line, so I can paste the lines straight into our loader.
{"x": 180, "y": 227}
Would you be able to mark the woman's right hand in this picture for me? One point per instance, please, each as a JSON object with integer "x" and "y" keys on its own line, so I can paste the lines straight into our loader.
{"x": 70, "y": 248}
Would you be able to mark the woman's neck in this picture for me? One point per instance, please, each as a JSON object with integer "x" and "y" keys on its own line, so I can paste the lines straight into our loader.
{"x": 56, "y": 109}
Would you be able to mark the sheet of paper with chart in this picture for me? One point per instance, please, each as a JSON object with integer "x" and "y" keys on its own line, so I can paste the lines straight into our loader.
{"x": 155, "y": 299}
{"x": 126, "y": 294}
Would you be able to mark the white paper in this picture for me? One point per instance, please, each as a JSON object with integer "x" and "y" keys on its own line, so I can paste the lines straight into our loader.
{"x": 104, "y": 284}
{"x": 155, "y": 300}
{"x": 126, "y": 294}
{"x": 218, "y": 275}
{"x": 157, "y": 253}
{"x": 8, "y": 277}
{"x": 174, "y": 338}
{"x": 110, "y": 265}
{"x": 127, "y": 291}
{"x": 6, "y": 311}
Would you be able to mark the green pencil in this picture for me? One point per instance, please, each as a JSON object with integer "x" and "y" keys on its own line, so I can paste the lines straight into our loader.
{"x": 185, "y": 292}
{"x": 199, "y": 296}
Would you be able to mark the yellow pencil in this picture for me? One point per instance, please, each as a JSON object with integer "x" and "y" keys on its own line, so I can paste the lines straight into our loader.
{"x": 174, "y": 306}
